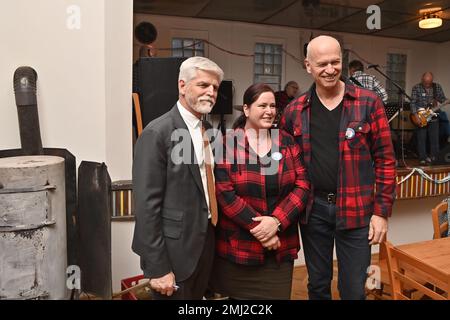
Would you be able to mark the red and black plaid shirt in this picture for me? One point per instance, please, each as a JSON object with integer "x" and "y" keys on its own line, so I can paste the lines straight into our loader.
{"x": 366, "y": 177}
{"x": 241, "y": 195}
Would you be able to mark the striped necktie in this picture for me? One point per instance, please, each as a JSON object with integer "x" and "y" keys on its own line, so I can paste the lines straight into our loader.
{"x": 209, "y": 178}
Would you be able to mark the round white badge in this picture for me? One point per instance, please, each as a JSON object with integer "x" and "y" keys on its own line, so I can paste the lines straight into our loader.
{"x": 350, "y": 133}
{"x": 277, "y": 156}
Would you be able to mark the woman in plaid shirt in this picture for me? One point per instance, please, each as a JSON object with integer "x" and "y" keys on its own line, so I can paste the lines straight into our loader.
{"x": 261, "y": 190}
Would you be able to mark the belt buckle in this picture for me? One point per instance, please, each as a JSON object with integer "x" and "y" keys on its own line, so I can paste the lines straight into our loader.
{"x": 331, "y": 198}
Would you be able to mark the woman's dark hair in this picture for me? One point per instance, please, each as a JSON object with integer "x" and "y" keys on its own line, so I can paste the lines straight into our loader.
{"x": 251, "y": 95}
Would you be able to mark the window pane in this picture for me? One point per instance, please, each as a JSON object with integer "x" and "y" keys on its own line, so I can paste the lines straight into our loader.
{"x": 268, "y": 48}
{"x": 396, "y": 69}
{"x": 259, "y": 47}
{"x": 258, "y": 58}
{"x": 277, "y": 59}
{"x": 268, "y": 64}
{"x": 188, "y": 43}
{"x": 268, "y": 69}
{"x": 187, "y": 47}
{"x": 199, "y": 44}
{"x": 188, "y": 53}
{"x": 176, "y": 43}
{"x": 258, "y": 68}
{"x": 177, "y": 53}
{"x": 277, "y": 49}
{"x": 277, "y": 69}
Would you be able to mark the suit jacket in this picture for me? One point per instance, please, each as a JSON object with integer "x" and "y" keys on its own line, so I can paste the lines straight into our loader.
{"x": 170, "y": 206}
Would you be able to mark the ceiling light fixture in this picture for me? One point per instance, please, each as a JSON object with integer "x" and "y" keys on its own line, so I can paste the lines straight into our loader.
{"x": 429, "y": 18}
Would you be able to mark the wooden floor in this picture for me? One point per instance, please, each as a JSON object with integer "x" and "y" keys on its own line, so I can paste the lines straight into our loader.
{"x": 300, "y": 281}
{"x": 299, "y": 285}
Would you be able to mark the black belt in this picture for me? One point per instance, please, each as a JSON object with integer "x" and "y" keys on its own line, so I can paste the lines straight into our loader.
{"x": 329, "y": 197}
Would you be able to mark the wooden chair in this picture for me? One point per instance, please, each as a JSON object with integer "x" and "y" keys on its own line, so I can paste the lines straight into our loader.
{"x": 440, "y": 221}
{"x": 404, "y": 272}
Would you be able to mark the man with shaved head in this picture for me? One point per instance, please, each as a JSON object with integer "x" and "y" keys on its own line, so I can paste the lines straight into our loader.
{"x": 427, "y": 94}
{"x": 347, "y": 148}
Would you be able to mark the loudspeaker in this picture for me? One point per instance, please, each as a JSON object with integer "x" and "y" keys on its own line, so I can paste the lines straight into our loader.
{"x": 403, "y": 121}
{"x": 157, "y": 86}
{"x": 224, "y": 102}
{"x": 145, "y": 32}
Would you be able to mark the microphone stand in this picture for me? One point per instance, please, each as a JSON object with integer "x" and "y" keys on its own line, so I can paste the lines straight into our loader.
{"x": 401, "y": 99}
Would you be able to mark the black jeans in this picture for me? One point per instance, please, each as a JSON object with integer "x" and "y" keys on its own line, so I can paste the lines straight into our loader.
{"x": 432, "y": 131}
{"x": 352, "y": 249}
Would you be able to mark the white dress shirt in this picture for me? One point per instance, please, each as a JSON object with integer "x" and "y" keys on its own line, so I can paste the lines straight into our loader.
{"x": 194, "y": 125}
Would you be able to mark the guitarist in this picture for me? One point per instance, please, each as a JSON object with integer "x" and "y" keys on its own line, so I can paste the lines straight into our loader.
{"x": 424, "y": 95}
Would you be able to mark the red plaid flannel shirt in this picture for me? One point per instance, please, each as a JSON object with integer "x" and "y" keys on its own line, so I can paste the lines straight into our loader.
{"x": 240, "y": 190}
{"x": 366, "y": 178}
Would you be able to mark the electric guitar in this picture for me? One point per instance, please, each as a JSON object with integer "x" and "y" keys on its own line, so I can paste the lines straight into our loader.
{"x": 423, "y": 117}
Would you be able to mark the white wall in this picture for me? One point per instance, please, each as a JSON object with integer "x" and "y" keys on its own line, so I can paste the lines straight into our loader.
{"x": 125, "y": 263}
{"x": 118, "y": 86}
{"x": 70, "y": 67}
{"x": 118, "y": 143}
{"x": 84, "y": 76}
{"x": 442, "y": 74}
{"x": 84, "y": 82}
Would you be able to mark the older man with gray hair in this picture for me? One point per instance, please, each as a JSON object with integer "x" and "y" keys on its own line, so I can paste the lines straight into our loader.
{"x": 427, "y": 94}
{"x": 175, "y": 204}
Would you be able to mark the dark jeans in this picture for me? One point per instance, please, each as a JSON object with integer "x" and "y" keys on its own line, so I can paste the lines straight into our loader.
{"x": 352, "y": 249}
{"x": 432, "y": 131}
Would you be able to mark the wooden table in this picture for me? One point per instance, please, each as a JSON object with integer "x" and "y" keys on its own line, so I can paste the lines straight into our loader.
{"x": 435, "y": 253}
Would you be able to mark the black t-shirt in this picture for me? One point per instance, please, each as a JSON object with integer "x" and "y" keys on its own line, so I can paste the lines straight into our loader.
{"x": 271, "y": 183}
{"x": 324, "y": 129}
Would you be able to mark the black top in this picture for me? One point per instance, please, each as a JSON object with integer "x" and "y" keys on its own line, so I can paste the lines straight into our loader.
{"x": 324, "y": 145}
{"x": 271, "y": 183}
{"x": 272, "y": 191}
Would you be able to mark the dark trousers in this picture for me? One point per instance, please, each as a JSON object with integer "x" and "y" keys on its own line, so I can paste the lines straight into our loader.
{"x": 195, "y": 286}
{"x": 432, "y": 132}
{"x": 352, "y": 249}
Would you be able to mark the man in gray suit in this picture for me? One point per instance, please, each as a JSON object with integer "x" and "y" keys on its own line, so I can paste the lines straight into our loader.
{"x": 174, "y": 208}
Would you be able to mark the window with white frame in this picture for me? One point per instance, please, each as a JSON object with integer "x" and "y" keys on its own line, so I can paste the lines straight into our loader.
{"x": 187, "y": 47}
{"x": 268, "y": 64}
{"x": 396, "y": 70}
